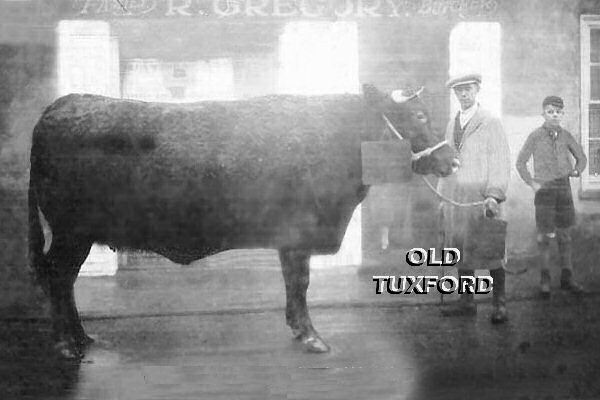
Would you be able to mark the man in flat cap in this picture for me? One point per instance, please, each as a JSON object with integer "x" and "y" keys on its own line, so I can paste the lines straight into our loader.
{"x": 551, "y": 148}
{"x": 484, "y": 174}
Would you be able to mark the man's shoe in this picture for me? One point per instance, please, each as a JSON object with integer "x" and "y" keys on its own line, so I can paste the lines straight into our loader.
{"x": 500, "y": 315}
{"x": 572, "y": 287}
{"x": 567, "y": 283}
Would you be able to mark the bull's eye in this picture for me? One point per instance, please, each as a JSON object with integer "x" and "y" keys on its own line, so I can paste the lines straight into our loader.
{"x": 422, "y": 117}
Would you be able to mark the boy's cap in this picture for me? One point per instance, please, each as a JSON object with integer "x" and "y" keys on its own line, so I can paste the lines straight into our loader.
{"x": 463, "y": 79}
{"x": 553, "y": 101}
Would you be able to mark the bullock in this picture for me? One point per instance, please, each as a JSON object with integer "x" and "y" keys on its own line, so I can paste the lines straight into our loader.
{"x": 190, "y": 180}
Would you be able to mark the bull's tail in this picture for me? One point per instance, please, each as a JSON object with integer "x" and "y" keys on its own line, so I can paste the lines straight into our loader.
{"x": 37, "y": 261}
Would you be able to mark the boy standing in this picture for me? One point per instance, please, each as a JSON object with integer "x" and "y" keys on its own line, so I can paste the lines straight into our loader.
{"x": 550, "y": 146}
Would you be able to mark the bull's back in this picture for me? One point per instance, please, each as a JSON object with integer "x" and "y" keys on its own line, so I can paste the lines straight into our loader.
{"x": 138, "y": 172}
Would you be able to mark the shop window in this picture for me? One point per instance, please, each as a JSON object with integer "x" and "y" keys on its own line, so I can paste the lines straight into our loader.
{"x": 179, "y": 72}
{"x": 88, "y": 60}
{"x": 590, "y": 99}
{"x": 320, "y": 58}
{"x": 177, "y": 92}
{"x": 476, "y": 47}
{"x": 156, "y": 80}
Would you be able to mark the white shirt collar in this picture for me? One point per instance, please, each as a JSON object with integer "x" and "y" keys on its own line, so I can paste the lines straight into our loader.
{"x": 466, "y": 115}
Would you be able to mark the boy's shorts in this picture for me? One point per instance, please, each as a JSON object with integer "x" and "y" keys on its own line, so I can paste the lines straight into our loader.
{"x": 554, "y": 206}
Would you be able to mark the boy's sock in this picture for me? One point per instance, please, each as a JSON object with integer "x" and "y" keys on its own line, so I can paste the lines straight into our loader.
{"x": 544, "y": 249}
{"x": 566, "y": 263}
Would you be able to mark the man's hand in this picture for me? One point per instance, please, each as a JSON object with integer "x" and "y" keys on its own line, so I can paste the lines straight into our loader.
{"x": 574, "y": 174}
{"x": 535, "y": 186}
{"x": 490, "y": 207}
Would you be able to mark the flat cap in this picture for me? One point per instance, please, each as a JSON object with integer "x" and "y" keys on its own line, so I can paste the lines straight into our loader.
{"x": 463, "y": 79}
{"x": 553, "y": 101}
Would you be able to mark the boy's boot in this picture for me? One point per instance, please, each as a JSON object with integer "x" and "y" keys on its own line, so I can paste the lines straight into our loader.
{"x": 466, "y": 305}
{"x": 563, "y": 238}
{"x": 567, "y": 283}
{"x": 499, "y": 315}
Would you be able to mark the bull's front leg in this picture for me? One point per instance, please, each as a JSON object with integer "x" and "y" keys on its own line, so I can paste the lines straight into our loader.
{"x": 296, "y": 274}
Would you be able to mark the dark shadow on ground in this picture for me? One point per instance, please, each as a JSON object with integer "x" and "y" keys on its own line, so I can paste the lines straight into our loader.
{"x": 28, "y": 366}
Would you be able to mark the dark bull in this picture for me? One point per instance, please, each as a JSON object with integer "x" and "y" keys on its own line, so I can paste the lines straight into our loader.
{"x": 188, "y": 181}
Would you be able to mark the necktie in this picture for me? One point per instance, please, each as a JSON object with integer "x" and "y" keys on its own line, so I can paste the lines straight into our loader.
{"x": 458, "y": 131}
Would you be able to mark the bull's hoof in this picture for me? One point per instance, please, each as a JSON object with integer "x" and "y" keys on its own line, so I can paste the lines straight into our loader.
{"x": 67, "y": 351}
{"x": 314, "y": 344}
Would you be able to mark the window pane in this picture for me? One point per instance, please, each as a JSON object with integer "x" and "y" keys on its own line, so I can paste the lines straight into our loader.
{"x": 595, "y": 82}
{"x": 595, "y": 120}
{"x": 154, "y": 80}
{"x": 318, "y": 57}
{"x": 594, "y": 158}
{"x": 595, "y": 45}
{"x": 88, "y": 59}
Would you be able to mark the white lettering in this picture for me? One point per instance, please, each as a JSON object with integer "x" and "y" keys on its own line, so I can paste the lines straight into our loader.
{"x": 451, "y": 256}
{"x": 347, "y": 11}
{"x": 490, "y": 6}
{"x": 488, "y": 281}
{"x": 284, "y": 8}
{"x": 179, "y": 9}
{"x": 431, "y": 261}
{"x": 304, "y": 9}
{"x": 364, "y": 10}
{"x": 396, "y": 7}
{"x": 467, "y": 284}
{"x": 416, "y": 256}
{"x": 256, "y": 9}
{"x": 392, "y": 288}
{"x": 107, "y": 6}
{"x": 425, "y": 7}
{"x": 380, "y": 281}
{"x": 84, "y": 10}
{"x": 231, "y": 8}
{"x": 453, "y": 284}
{"x": 430, "y": 282}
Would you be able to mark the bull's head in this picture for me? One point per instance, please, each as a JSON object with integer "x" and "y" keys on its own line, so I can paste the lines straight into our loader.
{"x": 406, "y": 116}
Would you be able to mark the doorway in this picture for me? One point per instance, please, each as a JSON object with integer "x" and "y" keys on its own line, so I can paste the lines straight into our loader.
{"x": 322, "y": 58}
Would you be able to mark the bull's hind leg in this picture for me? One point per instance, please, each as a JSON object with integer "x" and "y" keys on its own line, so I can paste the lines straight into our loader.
{"x": 64, "y": 259}
{"x": 296, "y": 272}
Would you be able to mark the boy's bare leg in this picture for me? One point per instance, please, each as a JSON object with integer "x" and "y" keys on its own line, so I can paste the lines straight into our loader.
{"x": 544, "y": 249}
{"x": 565, "y": 251}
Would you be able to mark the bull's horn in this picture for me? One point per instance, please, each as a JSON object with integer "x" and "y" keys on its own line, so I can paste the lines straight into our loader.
{"x": 399, "y": 97}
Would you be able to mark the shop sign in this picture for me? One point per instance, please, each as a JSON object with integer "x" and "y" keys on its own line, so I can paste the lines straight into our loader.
{"x": 286, "y": 8}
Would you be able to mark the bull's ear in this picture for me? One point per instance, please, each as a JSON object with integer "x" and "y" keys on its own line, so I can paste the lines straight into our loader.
{"x": 372, "y": 95}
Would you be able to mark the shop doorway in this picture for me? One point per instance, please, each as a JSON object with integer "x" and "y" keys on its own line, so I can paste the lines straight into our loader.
{"x": 88, "y": 62}
{"x": 322, "y": 58}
